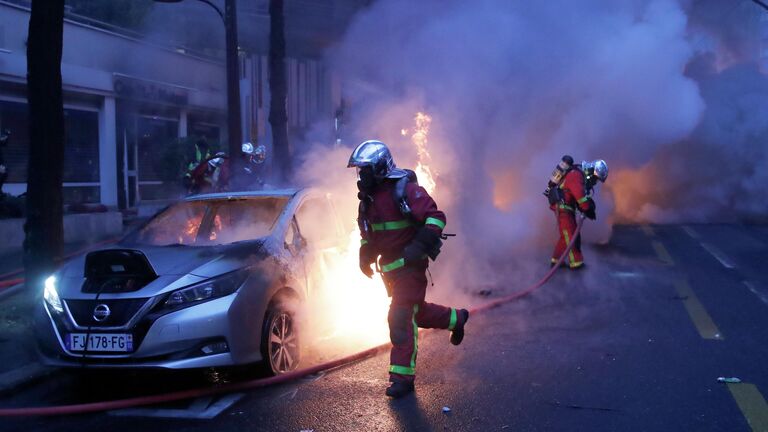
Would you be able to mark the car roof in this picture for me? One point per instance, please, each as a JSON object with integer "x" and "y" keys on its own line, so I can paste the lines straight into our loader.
{"x": 277, "y": 193}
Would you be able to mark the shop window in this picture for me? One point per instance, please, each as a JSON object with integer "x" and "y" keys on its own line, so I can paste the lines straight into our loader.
{"x": 14, "y": 118}
{"x": 210, "y": 132}
{"x": 81, "y": 144}
{"x": 81, "y": 147}
{"x": 154, "y": 135}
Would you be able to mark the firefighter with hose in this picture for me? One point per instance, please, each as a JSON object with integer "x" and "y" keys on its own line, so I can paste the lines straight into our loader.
{"x": 569, "y": 190}
{"x": 401, "y": 229}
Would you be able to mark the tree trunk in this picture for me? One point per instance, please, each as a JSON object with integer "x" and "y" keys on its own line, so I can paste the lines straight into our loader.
{"x": 44, "y": 227}
{"x": 278, "y": 89}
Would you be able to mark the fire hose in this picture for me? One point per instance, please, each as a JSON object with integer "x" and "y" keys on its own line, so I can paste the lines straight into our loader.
{"x": 263, "y": 382}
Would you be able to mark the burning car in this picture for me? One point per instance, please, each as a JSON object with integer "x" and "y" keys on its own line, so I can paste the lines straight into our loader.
{"x": 213, "y": 280}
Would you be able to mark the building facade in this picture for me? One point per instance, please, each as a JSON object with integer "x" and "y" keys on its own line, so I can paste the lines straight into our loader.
{"x": 125, "y": 100}
{"x": 133, "y": 107}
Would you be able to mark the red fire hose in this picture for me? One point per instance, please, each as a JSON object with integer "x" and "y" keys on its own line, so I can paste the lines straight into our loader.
{"x": 10, "y": 282}
{"x": 262, "y": 382}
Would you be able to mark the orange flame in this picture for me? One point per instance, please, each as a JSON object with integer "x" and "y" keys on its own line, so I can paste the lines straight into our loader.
{"x": 420, "y": 138}
{"x": 357, "y": 305}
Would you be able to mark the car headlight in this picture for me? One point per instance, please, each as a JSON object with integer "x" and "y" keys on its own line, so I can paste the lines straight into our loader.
{"x": 213, "y": 288}
{"x": 50, "y": 294}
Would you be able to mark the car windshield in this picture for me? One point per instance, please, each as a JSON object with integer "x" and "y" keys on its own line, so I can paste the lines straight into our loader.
{"x": 211, "y": 222}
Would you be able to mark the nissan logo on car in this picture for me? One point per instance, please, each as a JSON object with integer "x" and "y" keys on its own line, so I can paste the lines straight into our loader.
{"x": 101, "y": 312}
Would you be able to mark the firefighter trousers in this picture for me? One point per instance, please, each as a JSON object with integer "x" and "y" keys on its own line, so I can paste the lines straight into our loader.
{"x": 407, "y": 313}
{"x": 566, "y": 225}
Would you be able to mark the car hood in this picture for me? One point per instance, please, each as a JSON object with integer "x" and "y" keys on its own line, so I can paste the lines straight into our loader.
{"x": 175, "y": 266}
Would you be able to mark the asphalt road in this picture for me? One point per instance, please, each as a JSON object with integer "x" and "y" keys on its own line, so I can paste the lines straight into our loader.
{"x": 634, "y": 342}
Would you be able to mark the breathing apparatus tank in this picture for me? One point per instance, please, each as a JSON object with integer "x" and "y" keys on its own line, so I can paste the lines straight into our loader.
{"x": 558, "y": 174}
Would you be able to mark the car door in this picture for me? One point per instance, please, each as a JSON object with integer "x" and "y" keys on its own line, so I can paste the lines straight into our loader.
{"x": 324, "y": 236}
{"x": 296, "y": 246}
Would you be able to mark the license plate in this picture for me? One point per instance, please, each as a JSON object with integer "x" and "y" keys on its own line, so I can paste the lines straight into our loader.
{"x": 100, "y": 342}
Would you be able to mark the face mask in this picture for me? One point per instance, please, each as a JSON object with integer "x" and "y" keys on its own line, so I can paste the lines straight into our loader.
{"x": 366, "y": 182}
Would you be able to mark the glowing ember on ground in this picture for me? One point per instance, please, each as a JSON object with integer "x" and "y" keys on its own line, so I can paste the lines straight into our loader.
{"x": 420, "y": 138}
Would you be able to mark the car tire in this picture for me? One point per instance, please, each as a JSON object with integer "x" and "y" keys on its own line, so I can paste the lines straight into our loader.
{"x": 280, "y": 347}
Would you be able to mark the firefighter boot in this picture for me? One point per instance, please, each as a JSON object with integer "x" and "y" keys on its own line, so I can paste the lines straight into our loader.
{"x": 457, "y": 335}
{"x": 399, "y": 389}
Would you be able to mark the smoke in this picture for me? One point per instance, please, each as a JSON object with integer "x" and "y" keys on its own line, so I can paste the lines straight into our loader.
{"x": 511, "y": 87}
{"x": 714, "y": 174}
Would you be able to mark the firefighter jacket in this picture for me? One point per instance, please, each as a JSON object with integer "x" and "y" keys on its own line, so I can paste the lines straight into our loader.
{"x": 388, "y": 231}
{"x": 574, "y": 193}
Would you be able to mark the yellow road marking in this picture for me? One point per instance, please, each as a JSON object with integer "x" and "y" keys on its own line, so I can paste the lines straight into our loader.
{"x": 662, "y": 253}
{"x": 648, "y": 230}
{"x": 752, "y": 405}
{"x": 701, "y": 319}
{"x": 691, "y": 232}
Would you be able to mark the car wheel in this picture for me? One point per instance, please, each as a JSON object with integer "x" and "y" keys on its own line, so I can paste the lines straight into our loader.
{"x": 280, "y": 341}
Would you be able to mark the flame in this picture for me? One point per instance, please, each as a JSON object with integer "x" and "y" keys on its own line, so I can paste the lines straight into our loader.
{"x": 357, "y": 306}
{"x": 189, "y": 233}
{"x": 420, "y": 138}
{"x": 216, "y": 228}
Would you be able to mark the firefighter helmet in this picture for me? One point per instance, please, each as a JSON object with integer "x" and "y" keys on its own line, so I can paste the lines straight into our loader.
{"x": 597, "y": 170}
{"x": 374, "y": 154}
{"x": 257, "y": 154}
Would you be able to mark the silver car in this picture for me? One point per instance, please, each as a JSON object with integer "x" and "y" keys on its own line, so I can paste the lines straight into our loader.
{"x": 213, "y": 280}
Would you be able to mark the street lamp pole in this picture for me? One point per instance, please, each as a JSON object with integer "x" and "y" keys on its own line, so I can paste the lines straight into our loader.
{"x": 229, "y": 16}
{"x": 233, "y": 84}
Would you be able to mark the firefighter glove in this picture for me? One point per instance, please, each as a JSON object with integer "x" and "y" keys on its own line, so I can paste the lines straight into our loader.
{"x": 367, "y": 257}
{"x": 427, "y": 243}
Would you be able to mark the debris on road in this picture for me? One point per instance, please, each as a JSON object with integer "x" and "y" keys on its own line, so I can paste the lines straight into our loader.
{"x": 446, "y": 410}
{"x": 730, "y": 380}
{"x": 581, "y": 407}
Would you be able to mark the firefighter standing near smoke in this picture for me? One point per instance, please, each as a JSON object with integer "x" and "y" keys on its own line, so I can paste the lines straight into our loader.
{"x": 570, "y": 189}
{"x": 201, "y": 155}
{"x": 401, "y": 227}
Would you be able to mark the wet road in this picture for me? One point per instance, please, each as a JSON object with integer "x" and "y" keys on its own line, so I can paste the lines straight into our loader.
{"x": 634, "y": 342}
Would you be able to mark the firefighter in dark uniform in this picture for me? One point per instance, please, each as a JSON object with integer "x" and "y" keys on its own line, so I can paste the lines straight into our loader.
{"x": 401, "y": 229}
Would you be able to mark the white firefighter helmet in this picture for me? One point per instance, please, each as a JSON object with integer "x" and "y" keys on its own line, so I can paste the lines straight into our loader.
{"x": 597, "y": 169}
{"x": 257, "y": 153}
{"x": 374, "y": 154}
{"x": 217, "y": 160}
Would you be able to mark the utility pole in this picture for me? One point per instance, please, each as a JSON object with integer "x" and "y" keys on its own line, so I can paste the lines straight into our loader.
{"x": 233, "y": 85}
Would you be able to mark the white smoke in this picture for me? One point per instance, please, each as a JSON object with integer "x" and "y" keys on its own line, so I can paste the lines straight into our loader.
{"x": 511, "y": 87}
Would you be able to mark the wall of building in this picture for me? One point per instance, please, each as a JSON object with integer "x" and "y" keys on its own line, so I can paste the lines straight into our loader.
{"x": 125, "y": 99}
{"x": 129, "y": 100}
